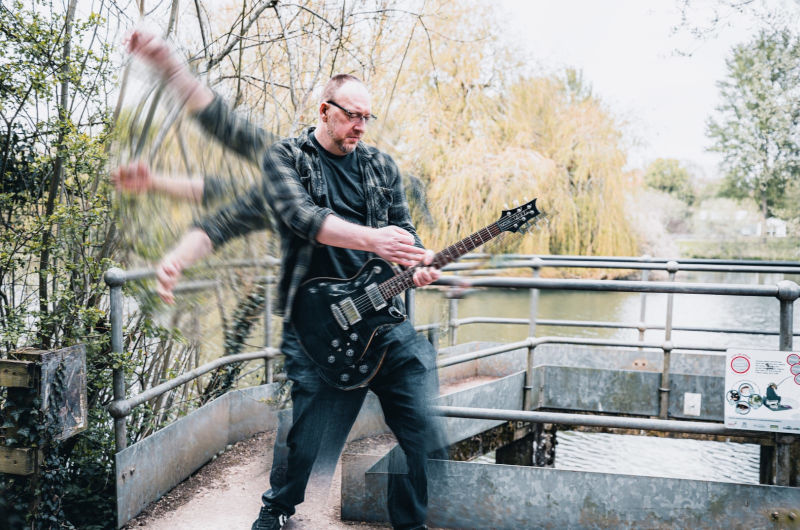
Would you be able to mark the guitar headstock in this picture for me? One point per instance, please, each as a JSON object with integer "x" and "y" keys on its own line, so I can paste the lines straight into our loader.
{"x": 516, "y": 219}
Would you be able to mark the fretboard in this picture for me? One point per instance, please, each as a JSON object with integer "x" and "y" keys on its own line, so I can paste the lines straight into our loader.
{"x": 405, "y": 280}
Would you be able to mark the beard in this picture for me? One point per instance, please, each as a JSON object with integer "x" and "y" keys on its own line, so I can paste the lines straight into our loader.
{"x": 344, "y": 148}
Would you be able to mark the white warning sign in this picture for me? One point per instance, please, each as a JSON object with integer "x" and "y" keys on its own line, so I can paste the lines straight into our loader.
{"x": 762, "y": 390}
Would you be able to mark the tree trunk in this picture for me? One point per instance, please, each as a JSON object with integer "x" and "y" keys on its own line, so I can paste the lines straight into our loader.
{"x": 46, "y": 330}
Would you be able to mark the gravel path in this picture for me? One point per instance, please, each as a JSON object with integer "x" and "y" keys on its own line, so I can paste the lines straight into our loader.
{"x": 225, "y": 494}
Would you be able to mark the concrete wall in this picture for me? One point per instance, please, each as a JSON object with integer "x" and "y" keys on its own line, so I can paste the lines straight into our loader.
{"x": 470, "y": 495}
{"x": 150, "y": 468}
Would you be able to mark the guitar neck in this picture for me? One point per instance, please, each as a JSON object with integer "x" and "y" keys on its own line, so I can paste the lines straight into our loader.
{"x": 405, "y": 280}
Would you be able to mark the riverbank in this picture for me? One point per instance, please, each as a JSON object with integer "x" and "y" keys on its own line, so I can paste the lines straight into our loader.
{"x": 759, "y": 248}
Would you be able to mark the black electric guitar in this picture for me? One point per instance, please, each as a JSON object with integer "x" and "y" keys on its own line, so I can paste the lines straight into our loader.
{"x": 340, "y": 317}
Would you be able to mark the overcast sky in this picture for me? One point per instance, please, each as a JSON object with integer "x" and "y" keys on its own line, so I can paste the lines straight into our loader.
{"x": 627, "y": 52}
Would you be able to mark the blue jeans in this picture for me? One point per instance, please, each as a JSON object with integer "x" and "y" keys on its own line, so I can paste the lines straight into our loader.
{"x": 322, "y": 416}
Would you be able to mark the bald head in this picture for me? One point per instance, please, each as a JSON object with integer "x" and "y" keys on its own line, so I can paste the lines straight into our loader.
{"x": 335, "y": 82}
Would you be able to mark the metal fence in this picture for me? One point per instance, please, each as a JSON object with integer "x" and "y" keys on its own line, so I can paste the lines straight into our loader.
{"x": 786, "y": 292}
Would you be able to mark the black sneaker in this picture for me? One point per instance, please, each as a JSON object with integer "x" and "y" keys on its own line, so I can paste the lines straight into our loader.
{"x": 270, "y": 519}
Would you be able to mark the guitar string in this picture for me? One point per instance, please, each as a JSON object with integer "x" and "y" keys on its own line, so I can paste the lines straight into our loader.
{"x": 404, "y": 281}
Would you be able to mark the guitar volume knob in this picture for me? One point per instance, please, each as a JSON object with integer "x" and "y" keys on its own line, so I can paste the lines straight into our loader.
{"x": 344, "y": 378}
{"x": 350, "y": 352}
{"x": 363, "y": 368}
{"x": 331, "y": 359}
{"x": 335, "y": 343}
{"x": 354, "y": 336}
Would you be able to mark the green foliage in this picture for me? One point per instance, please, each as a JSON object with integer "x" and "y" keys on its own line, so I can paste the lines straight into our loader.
{"x": 757, "y": 127}
{"x": 57, "y": 239}
{"x": 668, "y": 175}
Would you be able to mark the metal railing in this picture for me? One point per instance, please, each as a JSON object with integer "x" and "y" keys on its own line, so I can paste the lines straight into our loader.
{"x": 785, "y": 291}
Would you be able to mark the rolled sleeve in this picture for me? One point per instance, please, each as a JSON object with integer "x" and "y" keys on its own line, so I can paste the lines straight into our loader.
{"x": 287, "y": 196}
{"x": 245, "y": 215}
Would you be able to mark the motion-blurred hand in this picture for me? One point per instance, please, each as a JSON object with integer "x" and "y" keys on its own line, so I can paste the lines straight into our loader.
{"x": 135, "y": 177}
{"x": 154, "y": 51}
{"x": 168, "y": 273}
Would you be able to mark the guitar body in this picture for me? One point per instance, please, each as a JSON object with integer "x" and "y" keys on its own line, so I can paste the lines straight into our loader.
{"x": 337, "y": 319}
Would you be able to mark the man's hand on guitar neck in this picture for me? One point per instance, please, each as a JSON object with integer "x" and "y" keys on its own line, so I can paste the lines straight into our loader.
{"x": 425, "y": 275}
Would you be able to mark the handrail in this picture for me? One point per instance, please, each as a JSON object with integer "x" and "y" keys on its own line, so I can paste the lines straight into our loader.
{"x": 645, "y": 259}
{"x": 532, "y": 342}
{"x": 122, "y": 407}
{"x": 618, "y": 422}
{"x": 599, "y": 324}
{"x": 663, "y": 266}
{"x": 784, "y": 289}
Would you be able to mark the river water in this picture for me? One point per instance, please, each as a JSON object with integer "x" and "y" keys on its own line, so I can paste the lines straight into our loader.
{"x": 613, "y": 453}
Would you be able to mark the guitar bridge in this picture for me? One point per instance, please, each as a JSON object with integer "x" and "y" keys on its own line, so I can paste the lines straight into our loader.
{"x": 339, "y": 316}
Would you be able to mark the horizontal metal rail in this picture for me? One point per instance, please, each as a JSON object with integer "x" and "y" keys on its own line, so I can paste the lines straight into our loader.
{"x": 122, "y": 407}
{"x": 635, "y": 259}
{"x": 617, "y": 422}
{"x": 788, "y": 291}
{"x": 628, "y": 265}
{"x": 118, "y": 276}
{"x": 531, "y": 343}
{"x": 598, "y": 324}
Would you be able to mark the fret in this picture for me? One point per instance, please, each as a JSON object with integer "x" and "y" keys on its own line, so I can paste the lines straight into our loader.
{"x": 405, "y": 280}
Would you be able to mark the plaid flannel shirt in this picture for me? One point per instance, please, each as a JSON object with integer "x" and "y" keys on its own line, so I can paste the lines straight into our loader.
{"x": 294, "y": 188}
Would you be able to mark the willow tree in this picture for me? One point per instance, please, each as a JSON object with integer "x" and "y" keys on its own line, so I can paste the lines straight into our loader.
{"x": 481, "y": 134}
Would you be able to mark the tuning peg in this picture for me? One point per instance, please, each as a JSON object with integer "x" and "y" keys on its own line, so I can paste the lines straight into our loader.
{"x": 516, "y": 202}
{"x": 505, "y": 206}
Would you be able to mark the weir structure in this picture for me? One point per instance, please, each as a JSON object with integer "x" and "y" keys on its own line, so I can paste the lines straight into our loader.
{"x": 520, "y": 386}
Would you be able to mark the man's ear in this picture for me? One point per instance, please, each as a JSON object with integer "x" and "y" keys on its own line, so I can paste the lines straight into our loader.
{"x": 323, "y": 111}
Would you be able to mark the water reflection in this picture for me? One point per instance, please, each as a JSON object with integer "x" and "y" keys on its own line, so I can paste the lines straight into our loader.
{"x": 715, "y": 311}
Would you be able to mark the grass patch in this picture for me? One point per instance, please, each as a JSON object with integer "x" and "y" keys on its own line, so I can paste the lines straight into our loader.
{"x": 773, "y": 248}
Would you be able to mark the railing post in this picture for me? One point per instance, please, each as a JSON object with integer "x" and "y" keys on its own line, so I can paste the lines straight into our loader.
{"x": 782, "y": 465}
{"x": 410, "y": 301}
{"x": 643, "y": 301}
{"x": 115, "y": 279}
{"x": 433, "y": 337}
{"x": 534, "y": 303}
{"x": 527, "y": 391}
{"x": 534, "y": 312}
{"x": 452, "y": 323}
{"x": 663, "y": 390}
{"x": 269, "y": 376}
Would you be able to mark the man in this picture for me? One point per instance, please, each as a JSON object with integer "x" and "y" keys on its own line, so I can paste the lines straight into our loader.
{"x": 336, "y": 203}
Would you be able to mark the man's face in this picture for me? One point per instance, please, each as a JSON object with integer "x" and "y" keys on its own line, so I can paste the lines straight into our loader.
{"x": 341, "y": 131}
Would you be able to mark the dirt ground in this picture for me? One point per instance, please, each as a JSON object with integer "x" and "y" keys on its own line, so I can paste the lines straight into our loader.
{"x": 226, "y": 494}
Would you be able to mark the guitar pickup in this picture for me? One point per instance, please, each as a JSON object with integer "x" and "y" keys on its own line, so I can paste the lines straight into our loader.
{"x": 375, "y": 296}
{"x": 350, "y": 311}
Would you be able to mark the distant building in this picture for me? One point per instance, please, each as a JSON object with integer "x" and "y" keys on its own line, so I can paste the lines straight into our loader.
{"x": 776, "y": 227}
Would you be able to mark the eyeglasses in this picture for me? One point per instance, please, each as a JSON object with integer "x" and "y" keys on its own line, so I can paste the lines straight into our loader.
{"x": 354, "y": 117}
